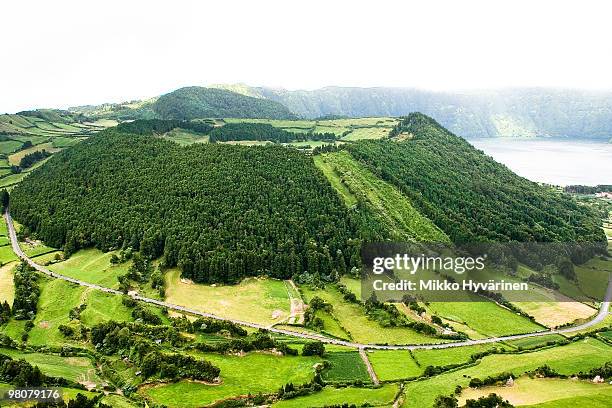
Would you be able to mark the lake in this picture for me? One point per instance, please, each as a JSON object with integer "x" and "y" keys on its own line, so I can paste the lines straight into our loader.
{"x": 552, "y": 161}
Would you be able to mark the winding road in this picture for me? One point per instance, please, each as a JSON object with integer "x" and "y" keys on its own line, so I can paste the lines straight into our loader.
{"x": 603, "y": 311}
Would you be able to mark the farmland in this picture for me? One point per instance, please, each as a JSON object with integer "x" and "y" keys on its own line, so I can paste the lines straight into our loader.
{"x": 531, "y": 391}
{"x": 241, "y": 375}
{"x": 370, "y": 200}
{"x": 91, "y": 265}
{"x": 258, "y": 300}
{"x": 569, "y": 359}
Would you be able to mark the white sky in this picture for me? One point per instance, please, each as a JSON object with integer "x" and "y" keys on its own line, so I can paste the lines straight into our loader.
{"x": 61, "y": 53}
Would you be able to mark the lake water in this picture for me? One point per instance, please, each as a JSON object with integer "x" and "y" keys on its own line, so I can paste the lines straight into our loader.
{"x": 552, "y": 161}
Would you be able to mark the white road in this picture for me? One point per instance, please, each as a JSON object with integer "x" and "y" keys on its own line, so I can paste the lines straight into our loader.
{"x": 603, "y": 312}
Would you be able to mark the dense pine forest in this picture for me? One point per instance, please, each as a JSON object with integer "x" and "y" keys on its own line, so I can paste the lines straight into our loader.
{"x": 469, "y": 195}
{"x": 198, "y": 102}
{"x": 219, "y": 212}
{"x": 158, "y": 126}
{"x": 263, "y": 132}
{"x": 224, "y": 212}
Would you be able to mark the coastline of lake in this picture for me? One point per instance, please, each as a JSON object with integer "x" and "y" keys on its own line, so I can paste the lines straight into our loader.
{"x": 554, "y": 161}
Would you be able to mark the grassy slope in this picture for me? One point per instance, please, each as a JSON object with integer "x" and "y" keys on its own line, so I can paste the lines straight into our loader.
{"x": 353, "y": 319}
{"x": 78, "y": 369}
{"x": 253, "y": 373}
{"x": 92, "y": 265}
{"x": 383, "y": 201}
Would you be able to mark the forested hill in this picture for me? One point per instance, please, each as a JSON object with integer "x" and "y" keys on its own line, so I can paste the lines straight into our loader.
{"x": 497, "y": 113}
{"x": 188, "y": 103}
{"x": 467, "y": 194}
{"x": 198, "y": 102}
{"x": 220, "y": 212}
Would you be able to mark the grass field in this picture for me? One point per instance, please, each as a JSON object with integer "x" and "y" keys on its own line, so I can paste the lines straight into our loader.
{"x": 35, "y": 248}
{"x": 92, "y": 265}
{"x": 392, "y": 365}
{"x": 7, "y": 254}
{"x": 569, "y": 359}
{"x": 7, "y": 287}
{"x": 456, "y": 355}
{"x": 252, "y": 373}
{"x": 484, "y": 317}
{"x": 353, "y": 319}
{"x": 374, "y": 397}
{"x": 258, "y": 300}
{"x": 79, "y": 369}
{"x": 9, "y": 146}
{"x": 345, "y": 367}
{"x": 535, "y": 342}
{"x": 61, "y": 142}
{"x": 185, "y": 137}
{"x": 52, "y": 313}
{"x": 588, "y": 401}
{"x": 367, "y": 133}
{"x": 12, "y": 179}
{"x": 384, "y": 202}
{"x": 103, "y": 306}
{"x": 530, "y": 391}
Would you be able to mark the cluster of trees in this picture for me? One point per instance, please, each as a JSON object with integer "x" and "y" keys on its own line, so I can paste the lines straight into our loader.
{"x": 80, "y": 401}
{"x": 20, "y": 373}
{"x": 470, "y": 196}
{"x": 4, "y": 199}
{"x": 177, "y": 365}
{"x": 310, "y": 315}
{"x": 160, "y": 126}
{"x": 207, "y": 325}
{"x": 219, "y": 212}
{"x": 490, "y": 401}
{"x": 259, "y": 341}
{"x": 263, "y": 132}
{"x": 5, "y": 312}
{"x": 137, "y": 340}
{"x": 314, "y": 348}
{"x": 26, "y": 292}
{"x": 29, "y": 159}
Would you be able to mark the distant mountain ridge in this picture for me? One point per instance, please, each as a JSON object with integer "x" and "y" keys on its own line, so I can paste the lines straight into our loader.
{"x": 527, "y": 112}
{"x": 192, "y": 102}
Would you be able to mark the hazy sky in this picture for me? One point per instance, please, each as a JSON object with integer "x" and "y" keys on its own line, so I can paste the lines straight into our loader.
{"x": 61, "y": 53}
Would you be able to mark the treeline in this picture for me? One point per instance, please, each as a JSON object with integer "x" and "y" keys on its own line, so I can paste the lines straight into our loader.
{"x": 580, "y": 189}
{"x": 470, "y": 196}
{"x": 219, "y": 212}
{"x": 26, "y": 292}
{"x": 263, "y": 132}
{"x": 159, "y": 126}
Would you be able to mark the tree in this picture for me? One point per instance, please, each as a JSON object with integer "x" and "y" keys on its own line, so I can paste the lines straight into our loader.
{"x": 315, "y": 348}
{"x": 445, "y": 401}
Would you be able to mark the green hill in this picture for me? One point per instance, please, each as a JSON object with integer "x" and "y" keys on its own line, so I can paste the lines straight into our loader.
{"x": 220, "y": 212}
{"x": 469, "y": 195}
{"x": 198, "y": 102}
